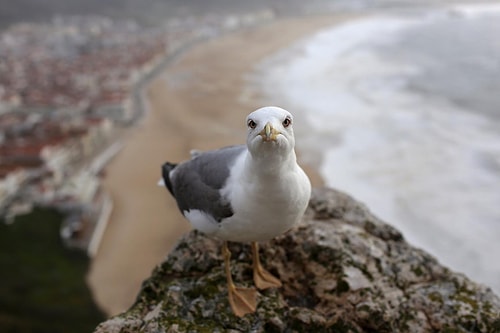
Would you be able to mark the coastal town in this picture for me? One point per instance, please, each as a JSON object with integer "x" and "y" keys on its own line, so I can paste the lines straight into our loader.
{"x": 67, "y": 90}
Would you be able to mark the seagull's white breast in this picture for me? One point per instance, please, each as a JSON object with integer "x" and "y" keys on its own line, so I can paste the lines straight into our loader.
{"x": 264, "y": 207}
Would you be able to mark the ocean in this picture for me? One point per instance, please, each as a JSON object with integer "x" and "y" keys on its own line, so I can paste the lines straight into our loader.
{"x": 402, "y": 111}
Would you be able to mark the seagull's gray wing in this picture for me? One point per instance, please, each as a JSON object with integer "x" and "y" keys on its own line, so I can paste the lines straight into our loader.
{"x": 196, "y": 183}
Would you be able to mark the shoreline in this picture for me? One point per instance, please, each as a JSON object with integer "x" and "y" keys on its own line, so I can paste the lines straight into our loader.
{"x": 196, "y": 102}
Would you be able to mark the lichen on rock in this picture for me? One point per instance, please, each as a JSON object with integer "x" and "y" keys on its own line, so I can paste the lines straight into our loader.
{"x": 343, "y": 270}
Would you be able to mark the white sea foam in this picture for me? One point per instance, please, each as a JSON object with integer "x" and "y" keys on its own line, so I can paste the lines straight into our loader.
{"x": 475, "y": 10}
{"x": 418, "y": 161}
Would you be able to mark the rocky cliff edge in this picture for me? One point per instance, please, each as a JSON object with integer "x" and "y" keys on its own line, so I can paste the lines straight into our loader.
{"x": 343, "y": 270}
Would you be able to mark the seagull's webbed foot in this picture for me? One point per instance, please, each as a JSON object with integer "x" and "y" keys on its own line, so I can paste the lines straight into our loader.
{"x": 262, "y": 278}
{"x": 242, "y": 300}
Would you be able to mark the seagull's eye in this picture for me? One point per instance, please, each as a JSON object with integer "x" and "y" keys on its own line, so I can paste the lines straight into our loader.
{"x": 287, "y": 122}
{"x": 252, "y": 124}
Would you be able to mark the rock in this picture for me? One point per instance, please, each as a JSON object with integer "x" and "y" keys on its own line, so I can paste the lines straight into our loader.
{"x": 343, "y": 270}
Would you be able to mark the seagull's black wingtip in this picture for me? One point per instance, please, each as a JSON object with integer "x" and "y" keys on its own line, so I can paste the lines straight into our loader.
{"x": 165, "y": 172}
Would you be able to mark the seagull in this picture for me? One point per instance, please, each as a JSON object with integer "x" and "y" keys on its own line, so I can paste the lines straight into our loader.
{"x": 244, "y": 193}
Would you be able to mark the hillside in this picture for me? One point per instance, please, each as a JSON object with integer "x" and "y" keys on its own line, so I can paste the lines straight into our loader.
{"x": 146, "y": 12}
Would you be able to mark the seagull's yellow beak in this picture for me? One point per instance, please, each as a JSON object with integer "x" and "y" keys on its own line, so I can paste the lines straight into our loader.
{"x": 269, "y": 133}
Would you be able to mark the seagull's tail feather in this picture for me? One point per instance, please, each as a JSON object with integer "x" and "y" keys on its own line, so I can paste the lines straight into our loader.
{"x": 165, "y": 172}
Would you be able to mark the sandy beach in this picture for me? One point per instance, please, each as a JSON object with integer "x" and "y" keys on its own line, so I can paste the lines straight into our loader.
{"x": 194, "y": 104}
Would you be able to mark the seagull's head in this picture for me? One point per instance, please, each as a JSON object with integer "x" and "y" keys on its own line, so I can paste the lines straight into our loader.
{"x": 270, "y": 130}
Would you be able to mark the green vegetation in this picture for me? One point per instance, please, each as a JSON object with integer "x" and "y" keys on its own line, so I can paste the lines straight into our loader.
{"x": 43, "y": 285}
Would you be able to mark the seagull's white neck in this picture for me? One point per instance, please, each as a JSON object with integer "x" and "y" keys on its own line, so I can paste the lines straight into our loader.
{"x": 270, "y": 162}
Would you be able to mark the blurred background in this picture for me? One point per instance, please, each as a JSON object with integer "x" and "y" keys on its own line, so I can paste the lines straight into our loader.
{"x": 398, "y": 104}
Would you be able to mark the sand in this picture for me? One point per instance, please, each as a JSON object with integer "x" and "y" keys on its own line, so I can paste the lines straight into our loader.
{"x": 195, "y": 103}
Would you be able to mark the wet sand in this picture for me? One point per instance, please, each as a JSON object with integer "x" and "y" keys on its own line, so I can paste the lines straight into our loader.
{"x": 194, "y": 104}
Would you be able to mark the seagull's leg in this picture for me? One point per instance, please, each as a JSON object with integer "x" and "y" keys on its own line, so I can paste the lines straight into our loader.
{"x": 242, "y": 300}
{"x": 262, "y": 278}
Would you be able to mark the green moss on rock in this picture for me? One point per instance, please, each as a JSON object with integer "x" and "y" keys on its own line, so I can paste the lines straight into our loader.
{"x": 344, "y": 272}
